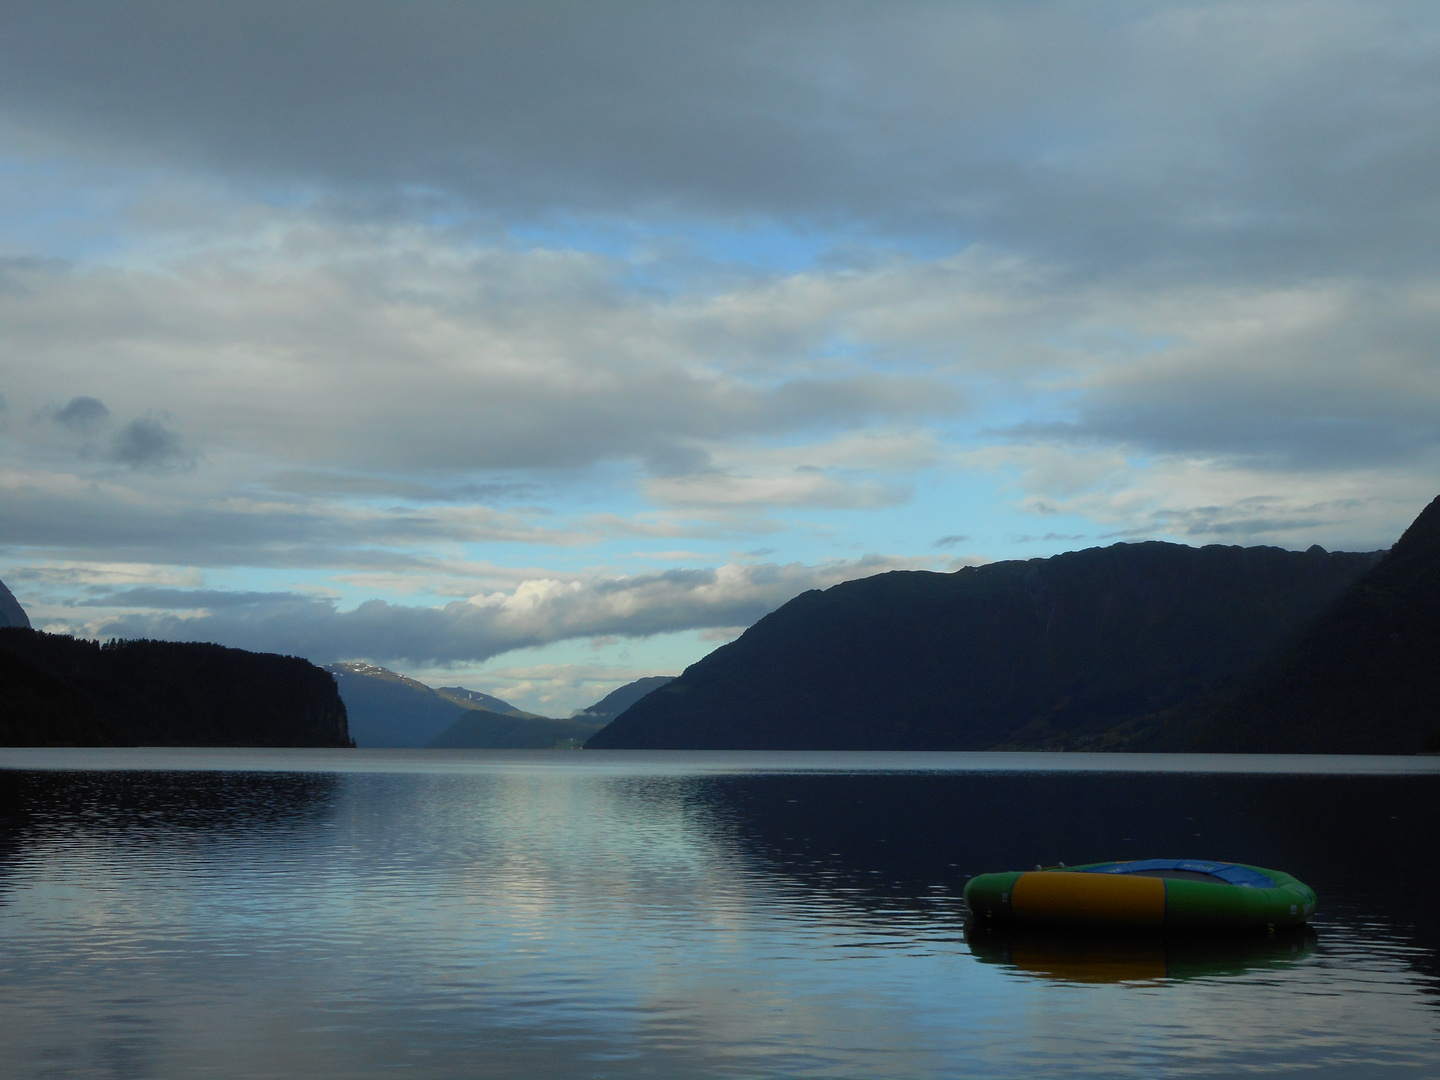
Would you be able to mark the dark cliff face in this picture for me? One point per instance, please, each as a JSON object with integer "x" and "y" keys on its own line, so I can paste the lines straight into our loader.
{"x": 1047, "y": 652}
{"x": 11, "y": 613}
{"x": 1364, "y": 678}
{"x": 60, "y": 691}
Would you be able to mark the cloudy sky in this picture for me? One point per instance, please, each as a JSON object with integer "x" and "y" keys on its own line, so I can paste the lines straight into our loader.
{"x": 541, "y": 346}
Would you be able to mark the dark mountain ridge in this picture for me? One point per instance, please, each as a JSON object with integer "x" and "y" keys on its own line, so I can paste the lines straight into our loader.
{"x": 1364, "y": 678}
{"x": 617, "y": 701}
{"x": 1042, "y": 653}
{"x": 391, "y": 710}
{"x": 57, "y": 690}
{"x": 11, "y": 613}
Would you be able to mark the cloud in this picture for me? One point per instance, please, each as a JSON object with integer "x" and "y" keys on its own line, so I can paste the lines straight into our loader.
{"x": 1199, "y": 500}
{"x": 211, "y": 520}
{"x": 82, "y": 414}
{"x": 301, "y": 482}
{"x": 534, "y": 612}
{"x": 379, "y": 390}
{"x": 1331, "y": 375}
{"x": 1265, "y": 136}
{"x": 428, "y": 303}
{"x": 350, "y": 351}
{"x": 146, "y": 444}
{"x": 800, "y": 487}
{"x": 190, "y": 599}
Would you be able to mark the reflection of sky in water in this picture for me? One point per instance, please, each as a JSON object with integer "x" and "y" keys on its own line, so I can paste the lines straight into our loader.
{"x": 579, "y": 921}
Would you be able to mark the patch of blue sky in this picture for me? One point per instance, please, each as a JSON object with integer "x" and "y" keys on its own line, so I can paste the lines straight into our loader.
{"x": 951, "y": 514}
{"x": 770, "y": 247}
{"x": 668, "y": 254}
{"x": 56, "y": 208}
{"x": 50, "y": 212}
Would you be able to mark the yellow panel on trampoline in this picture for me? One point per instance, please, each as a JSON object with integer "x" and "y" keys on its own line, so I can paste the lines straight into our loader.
{"x": 1076, "y": 899}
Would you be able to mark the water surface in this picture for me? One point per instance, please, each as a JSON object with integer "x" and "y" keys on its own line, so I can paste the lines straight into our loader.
{"x": 486, "y": 914}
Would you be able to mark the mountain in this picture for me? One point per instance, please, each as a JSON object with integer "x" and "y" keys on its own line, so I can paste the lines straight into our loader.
{"x": 1039, "y": 653}
{"x": 57, "y": 690}
{"x": 11, "y": 613}
{"x": 495, "y": 729}
{"x": 388, "y": 709}
{"x": 617, "y": 701}
{"x": 1363, "y": 679}
{"x": 474, "y": 699}
{"x": 482, "y": 729}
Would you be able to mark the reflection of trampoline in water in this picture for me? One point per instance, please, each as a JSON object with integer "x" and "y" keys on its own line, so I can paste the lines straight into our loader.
{"x": 1111, "y": 957}
{"x": 1155, "y": 895}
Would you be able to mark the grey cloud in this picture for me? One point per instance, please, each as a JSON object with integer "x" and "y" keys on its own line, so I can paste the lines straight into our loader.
{"x": 537, "y": 613}
{"x": 540, "y": 364}
{"x": 301, "y": 482}
{"x": 82, "y": 414}
{"x": 1331, "y": 377}
{"x": 1245, "y": 431}
{"x": 950, "y": 541}
{"x": 190, "y": 599}
{"x": 146, "y": 444}
{"x": 1245, "y": 520}
{"x": 1357, "y": 511}
{"x": 1265, "y": 136}
{"x": 1330, "y": 424}
{"x": 230, "y": 529}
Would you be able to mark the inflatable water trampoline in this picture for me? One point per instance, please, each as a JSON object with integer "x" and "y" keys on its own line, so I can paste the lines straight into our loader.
{"x": 1145, "y": 894}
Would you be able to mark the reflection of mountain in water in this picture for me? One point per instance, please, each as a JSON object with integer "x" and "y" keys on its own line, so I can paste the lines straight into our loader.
{"x": 908, "y": 841}
{"x": 214, "y": 802}
{"x": 141, "y": 808}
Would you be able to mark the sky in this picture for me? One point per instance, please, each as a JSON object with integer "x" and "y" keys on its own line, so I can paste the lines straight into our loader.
{"x": 540, "y": 347}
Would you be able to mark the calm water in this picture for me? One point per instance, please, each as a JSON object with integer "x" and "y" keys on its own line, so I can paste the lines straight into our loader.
{"x": 384, "y": 913}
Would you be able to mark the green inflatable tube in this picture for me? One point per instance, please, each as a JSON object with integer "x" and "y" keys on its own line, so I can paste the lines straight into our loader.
{"x": 1147, "y": 894}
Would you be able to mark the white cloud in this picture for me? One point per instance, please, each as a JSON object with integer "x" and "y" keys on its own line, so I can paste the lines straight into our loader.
{"x": 532, "y": 612}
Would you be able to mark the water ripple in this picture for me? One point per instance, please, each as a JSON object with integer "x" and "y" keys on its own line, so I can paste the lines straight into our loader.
{"x": 711, "y": 923}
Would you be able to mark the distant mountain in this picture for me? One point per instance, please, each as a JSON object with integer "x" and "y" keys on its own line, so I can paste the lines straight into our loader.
{"x": 1039, "y": 653}
{"x": 496, "y": 729}
{"x": 481, "y": 729}
{"x": 388, "y": 709}
{"x": 57, "y": 690}
{"x": 617, "y": 701}
{"x": 11, "y": 613}
{"x": 1363, "y": 679}
{"x": 474, "y": 699}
